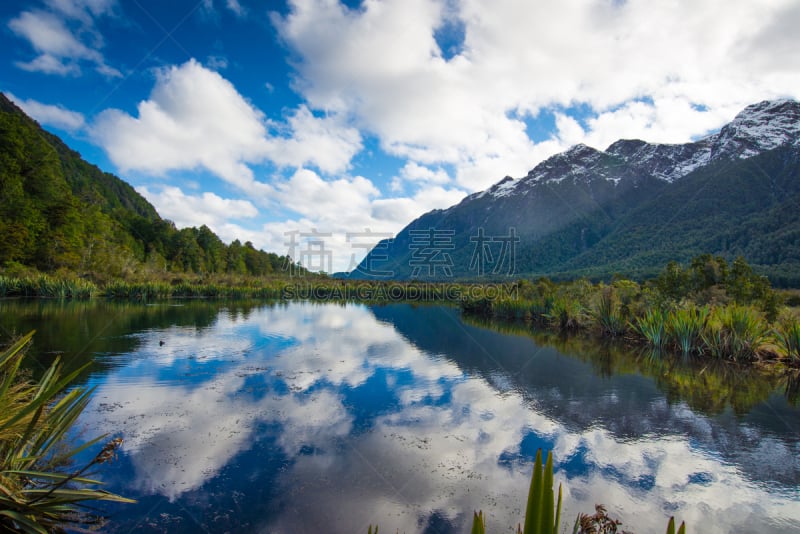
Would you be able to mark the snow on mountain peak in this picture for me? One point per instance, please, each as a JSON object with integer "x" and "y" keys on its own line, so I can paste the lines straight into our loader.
{"x": 757, "y": 128}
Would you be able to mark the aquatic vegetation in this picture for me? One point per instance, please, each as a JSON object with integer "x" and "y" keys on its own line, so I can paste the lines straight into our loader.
{"x": 788, "y": 336}
{"x": 543, "y": 511}
{"x": 38, "y": 491}
{"x": 652, "y": 326}
{"x": 478, "y": 523}
{"x": 566, "y": 314}
{"x": 46, "y": 286}
{"x": 671, "y": 527}
{"x": 598, "y": 523}
{"x": 540, "y": 517}
{"x": 608, "y": 315}
{"x": 685, "y": 327}
{"x": 735, "y": 332}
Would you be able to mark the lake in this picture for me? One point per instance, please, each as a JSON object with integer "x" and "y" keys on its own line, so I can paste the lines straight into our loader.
{"x": 326, "y": 417}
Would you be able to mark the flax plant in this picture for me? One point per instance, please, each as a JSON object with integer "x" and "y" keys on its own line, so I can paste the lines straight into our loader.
{"x": 39, "y": 489}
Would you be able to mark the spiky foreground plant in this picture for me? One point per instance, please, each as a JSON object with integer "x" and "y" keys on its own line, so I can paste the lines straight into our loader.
{"x": 543, "y": 512}
{"x": 37, "y": 491}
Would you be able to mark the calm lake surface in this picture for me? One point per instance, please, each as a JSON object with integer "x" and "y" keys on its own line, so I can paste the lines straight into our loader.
{"x": 304, "y": 417}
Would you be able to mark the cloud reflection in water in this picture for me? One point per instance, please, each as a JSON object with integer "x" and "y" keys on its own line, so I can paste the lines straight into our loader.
{"x": 359, "y": 423}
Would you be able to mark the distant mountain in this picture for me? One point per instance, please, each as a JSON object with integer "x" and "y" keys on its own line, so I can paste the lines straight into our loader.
{"x": 58, "y": 212}
{"x": 629, "y": 209}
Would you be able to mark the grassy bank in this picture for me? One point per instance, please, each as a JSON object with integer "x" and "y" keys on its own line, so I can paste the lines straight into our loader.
{"x": 286, "y": 288}
{"x": 708, "y": 309}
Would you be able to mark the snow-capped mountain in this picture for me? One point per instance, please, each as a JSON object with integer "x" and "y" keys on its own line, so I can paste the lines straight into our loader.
{"x": 585, "y": 208}
{"x": 757, "y": 129}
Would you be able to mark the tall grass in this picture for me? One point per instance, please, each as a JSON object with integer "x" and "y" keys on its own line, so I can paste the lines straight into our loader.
{"x": 46, "y": 286}
{"x": 685, "y": 327}
{"x": 38, "y": 490}
{"x": 735, "y": 332}
{"x": 788, "y": 337}
{"x": 652, "y": 326}
{"x": 566, "y": 314}
{"x": 607, "y": 314}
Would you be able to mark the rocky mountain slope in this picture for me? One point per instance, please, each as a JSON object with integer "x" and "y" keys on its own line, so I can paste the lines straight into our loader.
{"x": 628, "y": 209}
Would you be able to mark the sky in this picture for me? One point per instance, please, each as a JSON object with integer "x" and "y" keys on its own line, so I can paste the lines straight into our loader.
{"x": 307, "y": 123}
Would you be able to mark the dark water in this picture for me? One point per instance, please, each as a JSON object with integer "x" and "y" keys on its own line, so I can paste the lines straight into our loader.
{"x": 327, "y": 418}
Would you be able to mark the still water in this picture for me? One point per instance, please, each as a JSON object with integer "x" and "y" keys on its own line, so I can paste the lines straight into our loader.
{"x": 303, "y": 417}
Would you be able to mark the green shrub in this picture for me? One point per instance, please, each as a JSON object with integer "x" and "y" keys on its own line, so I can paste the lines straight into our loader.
{"x": 735, "y": 332}
{"x": 788, "y": 336}
{"x": 685, "y": 327}
{"x": 565, "y": 314}
{"x": 652, "y": 326}
{"x": 607, "y": 314}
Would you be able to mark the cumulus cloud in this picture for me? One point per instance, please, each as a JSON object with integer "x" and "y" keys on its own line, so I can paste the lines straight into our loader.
{"x": 666, "y": 71}
{"x": 197, "y": 210}
{"x": 414, "y": 172}
{"x": 59, "y": 35}
{"x": 323, "y": 142}
{"x": 348, "y": 215}
{"x": 194, "y": 119}
{"x": 51, "y": 115}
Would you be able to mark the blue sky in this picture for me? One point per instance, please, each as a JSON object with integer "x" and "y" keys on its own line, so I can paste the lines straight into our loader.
{"x": 267, "y": 118}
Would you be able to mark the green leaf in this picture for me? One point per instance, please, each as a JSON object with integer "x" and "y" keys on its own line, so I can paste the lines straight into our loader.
{"x": 25, "y": 524}
{"x": 478, "y": 523}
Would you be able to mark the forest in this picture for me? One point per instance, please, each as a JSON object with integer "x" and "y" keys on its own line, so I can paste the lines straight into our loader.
{"x": 60, "y": 214}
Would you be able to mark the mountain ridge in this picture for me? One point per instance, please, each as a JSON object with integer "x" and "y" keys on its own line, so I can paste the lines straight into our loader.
{"x": 582, "y": 198}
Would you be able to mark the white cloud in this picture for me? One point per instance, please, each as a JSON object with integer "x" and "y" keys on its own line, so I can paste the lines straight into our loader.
{"x": 236, "y": 8}
{"x": 345, "y": 206}
{"x": 323, "y": 142}
{"x": 666, "y": 71}
{"x": 327, "y": 201}
{"x": 196, "y": 210}
{"x": 83, "y": 9}
{"x": 417, "y": 173}
{"x": 61, "y": 49}
{"x": 56, "y": 116}
{"x": 194, "y": 119}
{"x": 217, "y": 62}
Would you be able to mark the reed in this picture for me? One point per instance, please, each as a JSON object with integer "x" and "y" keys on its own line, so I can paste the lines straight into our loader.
{"x": 46, "y": 286}
{"x": 511, "y": 309}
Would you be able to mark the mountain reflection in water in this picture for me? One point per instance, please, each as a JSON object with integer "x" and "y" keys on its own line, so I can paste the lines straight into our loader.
{"x": 306, "y": 417}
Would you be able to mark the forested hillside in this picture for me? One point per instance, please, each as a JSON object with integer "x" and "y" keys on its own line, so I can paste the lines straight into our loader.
{"x": 58, "y": 212}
